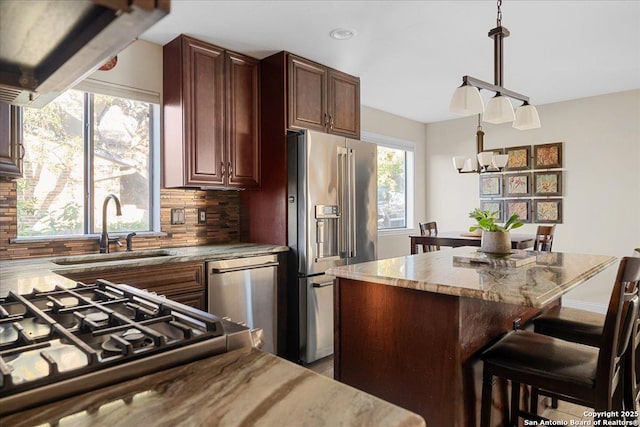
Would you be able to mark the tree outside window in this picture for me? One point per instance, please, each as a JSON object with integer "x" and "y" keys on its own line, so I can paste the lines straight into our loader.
{"x": 78, "y": 149}
{"x": 392, "y": 184}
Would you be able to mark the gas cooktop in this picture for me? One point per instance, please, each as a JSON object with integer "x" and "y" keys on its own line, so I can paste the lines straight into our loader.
{"x": 67, "y": 341}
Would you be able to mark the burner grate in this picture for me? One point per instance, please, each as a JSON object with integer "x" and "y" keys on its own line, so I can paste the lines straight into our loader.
{"x": 77, "y": 339}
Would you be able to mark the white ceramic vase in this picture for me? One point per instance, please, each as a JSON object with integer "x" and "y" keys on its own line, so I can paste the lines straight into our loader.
{"x": 495, "y": 242}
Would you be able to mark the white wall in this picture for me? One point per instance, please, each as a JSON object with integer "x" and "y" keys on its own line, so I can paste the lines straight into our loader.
{"x": 601, "y": 137}
{"x": 381, "y": 123}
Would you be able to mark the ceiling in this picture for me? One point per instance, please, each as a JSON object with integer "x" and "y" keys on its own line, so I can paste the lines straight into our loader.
{"x": 411, "y": 55}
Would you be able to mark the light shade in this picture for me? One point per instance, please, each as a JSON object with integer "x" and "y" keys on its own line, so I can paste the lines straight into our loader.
{"x": 458, "y": 162}
{"x": 485, "y": 158}
{"x": 526, "y": 117}
{"x": 499, "y": 110}
{"x": 500, "y": 160}
{"x": 466, "y": 100}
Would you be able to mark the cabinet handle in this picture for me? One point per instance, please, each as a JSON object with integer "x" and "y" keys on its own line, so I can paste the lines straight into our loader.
{"x": 230, "y": 169}
{"x": 198, "y": 276}
{"x": 22, "y": 152}
{"x": 222, "y": 168}
{"x": 326, "y": 120}
{"x": 330, "y": 122}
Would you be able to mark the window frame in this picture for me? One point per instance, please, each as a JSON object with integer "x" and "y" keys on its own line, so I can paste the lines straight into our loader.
{"x": 410, "y": 177}
{"x": 89, "y": 89}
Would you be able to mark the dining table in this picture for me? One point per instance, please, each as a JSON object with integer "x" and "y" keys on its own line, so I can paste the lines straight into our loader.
{"x": 460, "y": 238}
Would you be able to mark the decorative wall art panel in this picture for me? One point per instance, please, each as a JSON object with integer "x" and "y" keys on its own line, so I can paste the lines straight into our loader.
{"x": 522, "y": 207}
{"x": 517, "y": 185}
{"x": 547, "y": 156}
{"x": 547, "y": 211}
{"x": 490, "y": 186}
{"x": 519, "y": 158}
{"x": 547, "y": 184}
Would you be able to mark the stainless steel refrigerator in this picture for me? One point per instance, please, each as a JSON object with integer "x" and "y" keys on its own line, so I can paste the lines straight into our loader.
{"x": 332, "y": 221}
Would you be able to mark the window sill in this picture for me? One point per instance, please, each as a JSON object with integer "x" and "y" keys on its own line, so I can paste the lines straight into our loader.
{"x": 44, "y": 239}
{"x": 398, "y": 232}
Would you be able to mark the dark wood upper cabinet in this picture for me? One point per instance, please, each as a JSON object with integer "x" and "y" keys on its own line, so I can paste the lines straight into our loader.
{"x": 211, "y": 114}
{"x": 321, "y": 98}
{"x": 344, "y": 104}
{"x": 307, "y": 94}
{"x": 243, "y": 142}
{"x": 11, "y": 149}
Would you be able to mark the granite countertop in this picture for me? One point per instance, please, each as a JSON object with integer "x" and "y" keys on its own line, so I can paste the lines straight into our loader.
{"x": 245, "y": 387}
{"x": 535, "y": 285}
{"x": 24, "y": 275}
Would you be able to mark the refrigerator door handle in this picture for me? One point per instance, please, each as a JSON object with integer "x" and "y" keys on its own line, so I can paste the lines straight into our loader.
{"x": 343, "y": 203}
{"x": 352, "y": 203}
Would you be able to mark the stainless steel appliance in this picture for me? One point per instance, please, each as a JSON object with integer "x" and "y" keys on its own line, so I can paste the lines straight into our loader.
{"x": 68, "y": 341}
{"x": 332, "y": 220}
{"x": 244, "y": 289}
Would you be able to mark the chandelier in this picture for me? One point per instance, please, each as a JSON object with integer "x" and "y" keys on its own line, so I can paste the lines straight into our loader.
{"x": 466, "y": 101}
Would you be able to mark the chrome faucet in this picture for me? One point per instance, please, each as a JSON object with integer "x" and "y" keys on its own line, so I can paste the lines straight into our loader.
{"x": 104, "y": 238}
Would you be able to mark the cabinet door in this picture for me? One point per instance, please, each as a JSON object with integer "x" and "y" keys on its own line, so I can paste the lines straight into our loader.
{"x": 204, "y": 113}
{"x": 243, "y": 115}
{"x": 11, "y": 149}
{"x": 307, "y": 94}
{"x": 344, "y": 104}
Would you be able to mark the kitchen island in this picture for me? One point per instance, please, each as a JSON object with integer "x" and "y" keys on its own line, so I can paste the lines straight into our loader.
{"x": 245, "y": 387}
{"x": 409, "y": 329}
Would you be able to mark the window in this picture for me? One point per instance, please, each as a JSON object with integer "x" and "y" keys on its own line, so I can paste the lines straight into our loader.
{"x": 395, "y": 182}
{"x": 80, "y": 148}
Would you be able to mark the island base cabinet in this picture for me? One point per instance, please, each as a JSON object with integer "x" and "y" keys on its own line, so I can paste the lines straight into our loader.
{"x": 419, "y": 350}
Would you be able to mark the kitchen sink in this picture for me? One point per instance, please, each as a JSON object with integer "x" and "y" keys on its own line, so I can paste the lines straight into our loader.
{"x": 111, "y": 257}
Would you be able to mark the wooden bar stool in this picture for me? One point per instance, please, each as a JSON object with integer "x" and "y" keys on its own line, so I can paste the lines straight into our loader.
{"x": 586, "y": 327}
{"x": 429, "y": 229}
{"x": 573, "y": 372}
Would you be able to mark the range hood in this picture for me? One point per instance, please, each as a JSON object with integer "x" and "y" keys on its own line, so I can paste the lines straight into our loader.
{"x": 47, "y": 46}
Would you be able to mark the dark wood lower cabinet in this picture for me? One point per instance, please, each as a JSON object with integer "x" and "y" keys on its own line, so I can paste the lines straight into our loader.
{"x": 181, "y": 282}
{"x": 418, "y": 349}
{"x": 196, "y": 299}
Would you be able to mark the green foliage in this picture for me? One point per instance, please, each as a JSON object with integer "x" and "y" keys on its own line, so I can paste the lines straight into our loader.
{"x": 63, "y": 221}
{"x": 50, "y": 196}
{"x": 391, "y": 187}
{"x": 488, "y": 221}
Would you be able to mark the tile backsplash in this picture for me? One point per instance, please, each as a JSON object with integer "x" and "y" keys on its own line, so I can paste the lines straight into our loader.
{"x": 222, "y": 224}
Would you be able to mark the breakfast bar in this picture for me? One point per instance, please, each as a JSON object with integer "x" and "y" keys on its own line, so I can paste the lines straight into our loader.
{"x": 409, "y": 329}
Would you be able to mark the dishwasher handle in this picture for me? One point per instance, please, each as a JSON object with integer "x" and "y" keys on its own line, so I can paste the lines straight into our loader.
{"x": 243, "y": 268}
{"x": 322, "y": 284}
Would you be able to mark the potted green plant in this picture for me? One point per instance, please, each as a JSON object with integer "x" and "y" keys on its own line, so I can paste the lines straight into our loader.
{"x": 495, "y": 237}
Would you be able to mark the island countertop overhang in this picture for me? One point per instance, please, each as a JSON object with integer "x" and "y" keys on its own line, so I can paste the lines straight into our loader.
{"x": 535, "y": 285}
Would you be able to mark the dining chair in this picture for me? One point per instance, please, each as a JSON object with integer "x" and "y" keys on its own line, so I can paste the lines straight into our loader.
{"x": 429, "y": 229}
{"x": 544, "y": 238}
{"x": 573, "y": 372}
{"x": 586, "y": 327}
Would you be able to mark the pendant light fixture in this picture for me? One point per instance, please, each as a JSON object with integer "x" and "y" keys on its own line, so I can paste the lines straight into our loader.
{"x": 488, "y": 161}
{"x": 466, "y": 99}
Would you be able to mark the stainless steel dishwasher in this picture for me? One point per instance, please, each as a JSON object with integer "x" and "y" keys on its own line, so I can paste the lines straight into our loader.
{"x": 244, "y": 289}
